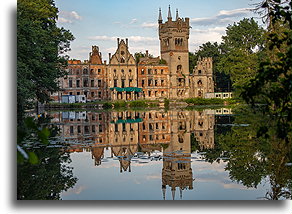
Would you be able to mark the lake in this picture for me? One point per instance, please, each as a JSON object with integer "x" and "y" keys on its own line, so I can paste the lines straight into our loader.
{"x": 177, "y": 154}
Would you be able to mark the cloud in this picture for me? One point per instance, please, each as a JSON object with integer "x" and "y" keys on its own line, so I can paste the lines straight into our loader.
{"x": 201, "y": 36}
{"x": 149, "y": 25}
{"x": 131, "y": 38}
{"x": 222, "y": 18}
{"x": 133, "y": 21}
{"x": 68, "y": 17}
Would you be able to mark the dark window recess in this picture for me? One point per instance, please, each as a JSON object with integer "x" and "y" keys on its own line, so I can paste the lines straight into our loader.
{"x": 70, "y": 83}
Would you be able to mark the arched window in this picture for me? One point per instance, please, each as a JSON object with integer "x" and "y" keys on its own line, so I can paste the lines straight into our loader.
{"x": 200, "y": 94}
{"x": 200, "y": 83}
{"x": 179, "y": 68}
{"x": 122, "y": 60}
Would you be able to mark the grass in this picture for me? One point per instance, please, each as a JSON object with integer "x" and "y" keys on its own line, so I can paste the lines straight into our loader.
{"x": 211, "y": 101}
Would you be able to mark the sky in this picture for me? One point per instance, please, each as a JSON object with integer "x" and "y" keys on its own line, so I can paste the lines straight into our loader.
{"x": 100, "y": 22}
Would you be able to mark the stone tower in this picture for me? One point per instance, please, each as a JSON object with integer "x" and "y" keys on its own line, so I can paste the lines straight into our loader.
{"x": 174, "y": 48}
{"x": 202, "y": 78}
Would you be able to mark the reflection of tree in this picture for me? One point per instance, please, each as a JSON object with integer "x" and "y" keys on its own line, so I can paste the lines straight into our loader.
{"x": 255, "y": 152}
{"x": 46, "y": 180}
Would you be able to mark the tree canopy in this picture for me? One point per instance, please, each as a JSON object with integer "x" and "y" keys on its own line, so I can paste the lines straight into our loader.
{"x": 41, "y": 48}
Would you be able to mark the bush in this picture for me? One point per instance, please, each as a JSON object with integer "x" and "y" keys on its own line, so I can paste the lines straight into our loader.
{"x": 202, "y": 101}
{"x": 107, "y": 105}
{"x": 119, "y": 104}
{"x": 138, "y": 103}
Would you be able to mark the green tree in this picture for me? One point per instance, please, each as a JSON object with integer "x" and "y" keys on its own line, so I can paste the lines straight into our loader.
{"x": 47, "y": 179}
{"x": 272, "y": 83}
{"x": 241, "y": 51}
{"x": 41, "y": 48}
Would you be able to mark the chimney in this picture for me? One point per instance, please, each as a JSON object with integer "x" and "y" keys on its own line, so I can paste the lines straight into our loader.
{"x": 118, "y": 39}
{"x": 104, "y": 62}
{"x": 147, "y": 53}
{"x": 127, "y": 42}
{"x": 109, "y": 56}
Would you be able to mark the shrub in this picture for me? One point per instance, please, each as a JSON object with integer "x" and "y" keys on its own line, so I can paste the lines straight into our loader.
{"x": 138, "y": 103}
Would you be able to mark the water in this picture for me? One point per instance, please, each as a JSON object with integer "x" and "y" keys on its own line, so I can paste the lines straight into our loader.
{"x": 157, "y": 155}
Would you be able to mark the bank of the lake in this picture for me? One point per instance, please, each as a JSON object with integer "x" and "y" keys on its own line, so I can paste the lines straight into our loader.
{"x": 163, "y": 103}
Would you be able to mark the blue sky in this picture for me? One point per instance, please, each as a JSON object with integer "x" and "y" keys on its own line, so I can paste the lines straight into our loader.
{"x": 100, "y": 22}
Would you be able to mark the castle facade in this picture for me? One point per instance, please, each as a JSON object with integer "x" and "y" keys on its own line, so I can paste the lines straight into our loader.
{"x": 126, "y": 78}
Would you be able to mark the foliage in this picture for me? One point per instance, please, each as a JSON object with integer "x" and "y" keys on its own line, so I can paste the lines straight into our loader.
{"x": 241, "y": 51}
{"x": 138, "y": 103}
{"x": 107, "y": 105}
{"x": 272, "y": 83}
{"x": 162, "y": 62}
{"x": 166, "y": 103}
{"x": 120, "y": 104}
{"x": 47, "y": 179}
{"x": 139, "y": 55}
{"x": 39, "y": 43}
{"x": 31, "y": 130}
{"x": 203, "y": 101}
{"x": 254, "y": 152}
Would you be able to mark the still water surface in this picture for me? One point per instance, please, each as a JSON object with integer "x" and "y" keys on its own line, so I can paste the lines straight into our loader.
{"x": 157, "y": 155}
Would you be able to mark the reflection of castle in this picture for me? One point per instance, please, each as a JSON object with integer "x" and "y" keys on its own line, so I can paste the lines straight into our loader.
{"x": 127, "y": 132}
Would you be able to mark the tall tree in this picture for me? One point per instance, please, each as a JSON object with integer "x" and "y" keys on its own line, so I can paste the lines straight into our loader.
{"x": 41, "y": 48}
{"x": 241, "y": 50}
{"x": 272, "y": 83}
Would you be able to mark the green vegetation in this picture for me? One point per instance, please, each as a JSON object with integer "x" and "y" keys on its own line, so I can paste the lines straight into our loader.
{"x": 162, "y": 62}
{"x": 212, "y": 101}
{"x": 39, "y": 45}
{"x": 237, "y": 58}
{"x": 138, "y": 103}
{"x": 272, "y": 83}
{"x": 48, "y": 179}
{"x": 254, "y": 151}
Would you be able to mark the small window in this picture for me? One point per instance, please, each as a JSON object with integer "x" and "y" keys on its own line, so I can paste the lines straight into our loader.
{"x": 70, "y": 83}
{"x": 71, "y": 130}
{"x": 142, "y": 71}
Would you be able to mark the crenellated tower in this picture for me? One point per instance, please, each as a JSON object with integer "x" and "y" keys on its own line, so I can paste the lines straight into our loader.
{"x": 174, "y": 49}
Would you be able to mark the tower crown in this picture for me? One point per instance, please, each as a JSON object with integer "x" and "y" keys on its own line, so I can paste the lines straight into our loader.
{"x": 160, "y": 17}
{"x": 169, "y": 14}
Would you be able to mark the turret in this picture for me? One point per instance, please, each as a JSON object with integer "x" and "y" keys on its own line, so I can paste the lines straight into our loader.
{"x": 160, "y": 17}
{"x": 169, "y": 18}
